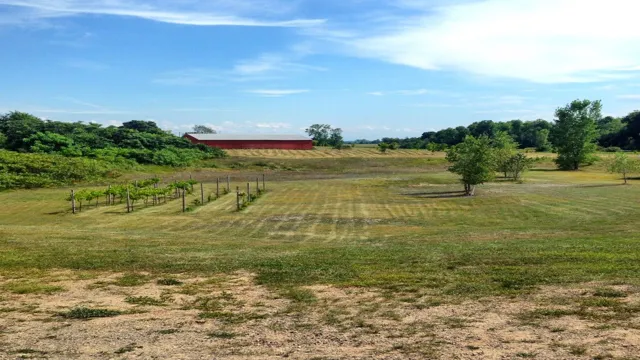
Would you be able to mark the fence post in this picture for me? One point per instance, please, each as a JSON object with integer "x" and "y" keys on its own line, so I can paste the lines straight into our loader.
{"x": 257, "y": 185}
{"x": 248, "y": 192}
{"x": 238, "y": 197}
{"x": 128, "y": 202}
{"x": 184, "y": 200}
{"x": 228, "y": 183}
{"x": 73, "y": 202}
{"x": 107, "y": 200}
{"x": 202, "y": 193}
{"x": 264, "y": 185}
{"x": 217, "y": 188}
{"x": 156, "y": 199}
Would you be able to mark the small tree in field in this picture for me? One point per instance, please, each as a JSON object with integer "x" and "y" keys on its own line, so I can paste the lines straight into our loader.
{"x": 505, "y": 149}
{"x": 518, "y": 164}
{"x": 622, "y": 164}
{"x": 474, "y": 161}
{"x": 383, "y": 147}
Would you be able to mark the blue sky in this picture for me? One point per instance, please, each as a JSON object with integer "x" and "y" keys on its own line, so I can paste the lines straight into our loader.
{"x": 374, "y": 68}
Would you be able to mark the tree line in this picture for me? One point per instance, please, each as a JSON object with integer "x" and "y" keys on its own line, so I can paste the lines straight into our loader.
{"x": 574, "y": 137}
{"x": 136, "y": 141}
{"x": 611, "y": 134}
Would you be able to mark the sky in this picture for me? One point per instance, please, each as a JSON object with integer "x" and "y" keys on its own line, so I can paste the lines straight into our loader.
{"x": 374, "y": 68}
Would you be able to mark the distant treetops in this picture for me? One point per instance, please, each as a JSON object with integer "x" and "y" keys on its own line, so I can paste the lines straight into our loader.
{"x": 142, "y": 142}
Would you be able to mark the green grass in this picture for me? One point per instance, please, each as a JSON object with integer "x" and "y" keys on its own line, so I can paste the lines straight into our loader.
{"x": 394, "y": 224}
{"x": 144, "y": 301}
{"x": 169, "y": 282}
{"x": 30, "y": 287}
{"x": 88, "y": 313}
{"x": 222, "y": 335}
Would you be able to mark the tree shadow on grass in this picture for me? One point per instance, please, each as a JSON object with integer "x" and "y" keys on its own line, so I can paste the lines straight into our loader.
{"x": 437, "y": 194}
{"x": 600, "y": 185}
{"x": 544, "y": 170}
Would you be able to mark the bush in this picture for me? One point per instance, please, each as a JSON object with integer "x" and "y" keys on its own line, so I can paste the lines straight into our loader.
{"x": 18, "y": 170}
{"x": 612, "y": 149}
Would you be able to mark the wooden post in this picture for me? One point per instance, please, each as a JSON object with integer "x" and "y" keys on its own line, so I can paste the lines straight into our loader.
{"x": 264, "y": 184}
{"x": 238, "y": 197}
{"x": 257, "y": 185}
{"x": 128, "y": 202}
{"x": 202, "y": 193}
{"x": 73, "y": 202}
{"x": 248, "y": 192}
{"x": 217, "y": 188}
{"x": 156, "y": 200}
{"x": 228, "y": 183}
{"x": 184, "y": 200}
{"x": 107, "y": 200}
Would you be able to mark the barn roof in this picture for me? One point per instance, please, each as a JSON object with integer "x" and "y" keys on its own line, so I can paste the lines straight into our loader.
{"x": 240, "y": 137}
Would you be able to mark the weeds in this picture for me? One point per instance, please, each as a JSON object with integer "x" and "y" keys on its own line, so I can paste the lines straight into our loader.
{"x": 87, "y": 313}
{"x": 144, "y": 301}
{"x": 169, "y": 282}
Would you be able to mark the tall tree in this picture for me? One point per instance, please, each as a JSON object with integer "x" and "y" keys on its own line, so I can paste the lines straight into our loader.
{"x": 632, "y": 122}
{"x": 473, "y": 160}
{"x": 319, "y": 133}
{"x": 202, "y": 129}
{"x": 575, "y": 132}
{"x": 335, "y": 138}
{"x": 17, "y": 126}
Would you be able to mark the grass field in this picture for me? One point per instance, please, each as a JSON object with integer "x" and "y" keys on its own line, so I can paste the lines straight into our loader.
{"x": 344, "y": 257}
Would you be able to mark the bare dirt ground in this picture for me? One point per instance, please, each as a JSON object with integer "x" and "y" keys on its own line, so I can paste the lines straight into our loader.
{"x": 231, "y": 317}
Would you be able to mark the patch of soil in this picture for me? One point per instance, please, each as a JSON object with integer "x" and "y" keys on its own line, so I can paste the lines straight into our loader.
{"x": 231, "y": 317}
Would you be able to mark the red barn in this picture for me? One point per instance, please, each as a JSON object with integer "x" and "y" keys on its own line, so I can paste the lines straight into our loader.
{"x": 226, "y": 141}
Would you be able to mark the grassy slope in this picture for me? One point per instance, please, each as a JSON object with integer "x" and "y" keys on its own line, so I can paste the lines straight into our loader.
{"x": 392, "y": 231}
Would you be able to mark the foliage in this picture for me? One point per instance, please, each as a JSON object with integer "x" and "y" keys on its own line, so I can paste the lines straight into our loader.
{"x": 136, "y": 140}
{"x": 88, "y": 313}
{"x": 203, "y": 129}
{"x": 473, "y": 160}
{"x": 335, "y": 139}
{"x": 623, "y": 164}
{"x": 383, "y": 147}
{"x": 517, "y": 164}
{"x": 325, "y": 135}
{"x": 319, "y": 133}
{"x": 18, "y": 170}
{"x": 575, "y": 133}
{"x": 505, "y": 148}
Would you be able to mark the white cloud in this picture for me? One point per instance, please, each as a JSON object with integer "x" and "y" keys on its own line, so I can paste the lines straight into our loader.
{"x": 272, "y": 64}
{"x": 273, "y": 125}
{"x": 276, "y": 92}
{"x": 545, "y": 41}
{"x": 193, "y": 12}
{"x": 630, "y": 97}
{"x": 376, "y": 93}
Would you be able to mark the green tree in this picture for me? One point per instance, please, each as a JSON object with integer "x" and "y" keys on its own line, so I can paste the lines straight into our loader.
{"x": 48, "y": 142}
{"x": 202, "y": 129}
{"x": 622, "y": 164}
{"x": 474, "y": 161}
{"x": 383, "y": 147}
{"x": 575, "y": 133}
{"x": 3, "y": 140}
{"x": 335, "y": 138}
{"x": 320, "y": 133}
{"x": 542, "y": 140}
{"x": 505, "y": 148}
{"x": 17, "y": 126}
{"x": 518, "y": 164}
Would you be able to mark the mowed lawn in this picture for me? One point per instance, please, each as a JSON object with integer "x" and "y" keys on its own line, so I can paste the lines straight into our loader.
{"x": 341, "y": 258}
{"x": 396, "y": 231}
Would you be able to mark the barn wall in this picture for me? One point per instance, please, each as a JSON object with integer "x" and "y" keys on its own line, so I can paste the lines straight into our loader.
{"x": 257, "y": 144}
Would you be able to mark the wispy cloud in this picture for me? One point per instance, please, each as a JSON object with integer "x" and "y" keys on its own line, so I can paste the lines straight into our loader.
{"x": 193, "y": 12}
{"x": 272, "y": 64}
{"x": 277, "y": 92}
{"x": 629, "y": 97}
{"x": 202, "y": 110}
{"x": 412, "y": 92}
{"x": 504, "y": 38}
